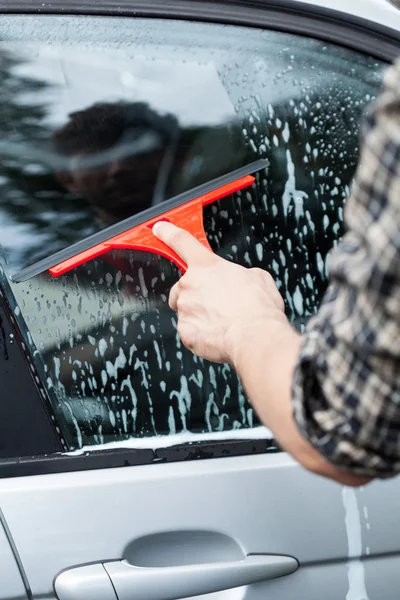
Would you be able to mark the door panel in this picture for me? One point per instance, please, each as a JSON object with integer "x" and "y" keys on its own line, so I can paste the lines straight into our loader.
{"x": 257, "y": 504}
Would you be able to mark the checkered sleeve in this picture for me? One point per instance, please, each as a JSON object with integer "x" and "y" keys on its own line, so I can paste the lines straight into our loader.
{"x": 346, "y": 385}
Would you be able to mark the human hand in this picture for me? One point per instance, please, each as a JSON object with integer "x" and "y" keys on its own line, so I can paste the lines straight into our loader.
{"x": 218, "y": 302}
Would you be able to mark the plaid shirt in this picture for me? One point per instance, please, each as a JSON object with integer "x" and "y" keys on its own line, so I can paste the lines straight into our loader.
{"x": 346, "y": 386}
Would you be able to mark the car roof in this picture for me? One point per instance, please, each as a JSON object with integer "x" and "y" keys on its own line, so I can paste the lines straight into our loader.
{"x": 378, "y": 11}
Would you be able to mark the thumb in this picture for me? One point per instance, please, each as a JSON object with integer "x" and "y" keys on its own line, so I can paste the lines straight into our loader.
{"x": 182, "y": 242}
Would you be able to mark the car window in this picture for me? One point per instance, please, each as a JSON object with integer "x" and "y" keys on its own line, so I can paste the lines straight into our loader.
{"x": 105, "y": 117}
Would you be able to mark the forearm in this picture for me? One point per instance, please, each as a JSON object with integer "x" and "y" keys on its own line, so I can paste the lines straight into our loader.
{"x": 265, "y": 363}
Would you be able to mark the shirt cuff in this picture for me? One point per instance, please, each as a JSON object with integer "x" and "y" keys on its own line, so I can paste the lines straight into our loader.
{"x": 323, "y": 419}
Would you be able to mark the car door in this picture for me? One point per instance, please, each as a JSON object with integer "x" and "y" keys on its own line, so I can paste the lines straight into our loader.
{"x": 130, "y": 468}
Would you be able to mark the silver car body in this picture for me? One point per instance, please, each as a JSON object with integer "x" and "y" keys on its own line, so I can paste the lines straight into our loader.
{"x": 171, "y": 529}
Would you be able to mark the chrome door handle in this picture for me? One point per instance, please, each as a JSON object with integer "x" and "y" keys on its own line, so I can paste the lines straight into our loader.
{"x": 168, "y": 583}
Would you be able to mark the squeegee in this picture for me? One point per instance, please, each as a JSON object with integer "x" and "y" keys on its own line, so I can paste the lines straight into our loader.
{"x": 135, "y": 233}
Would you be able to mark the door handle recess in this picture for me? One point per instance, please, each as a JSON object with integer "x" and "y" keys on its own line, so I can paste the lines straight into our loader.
{"x": 119, "y": 580}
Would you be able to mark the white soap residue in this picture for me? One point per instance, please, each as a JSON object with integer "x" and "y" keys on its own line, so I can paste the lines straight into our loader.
{"x": 143, "y": 287}
{"x": 286, "y": 132}
{"x": 125, "y": 324}
{"x": 355, "y": 567}
{"x": 57, "y": 367}
{"x": 291, "y": 194}
{"x": 184, "y": 399}
{"x": 127, "y": 383}
{"x": 260, "y": 251}
{"x": 74, "y": 422}
{"x": 186, "y": 437}
{"x": 124, "y": 420}
{"x": 271, "y": 111}
{"x": 158, "y": 353}
{"x": 198, "y": 378}
{"x": 298, "y": 301}
{"x": 120, "y": 362}
{"x": 171, "y": 421}
{"x": 320, "y": 264}
{"x": 102, "y": 346}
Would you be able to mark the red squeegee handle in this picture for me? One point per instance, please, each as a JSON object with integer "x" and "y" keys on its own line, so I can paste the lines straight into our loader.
{"x": 188, "y": 216}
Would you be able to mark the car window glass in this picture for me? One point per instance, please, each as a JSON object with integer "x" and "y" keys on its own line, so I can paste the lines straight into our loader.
{"x": 100, "y": 122}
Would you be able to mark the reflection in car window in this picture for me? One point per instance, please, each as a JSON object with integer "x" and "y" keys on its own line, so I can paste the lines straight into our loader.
{"x": 99, "y": 123}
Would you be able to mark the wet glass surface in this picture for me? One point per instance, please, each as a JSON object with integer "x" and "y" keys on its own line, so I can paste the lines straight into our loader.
{"x": 105, "y": 117}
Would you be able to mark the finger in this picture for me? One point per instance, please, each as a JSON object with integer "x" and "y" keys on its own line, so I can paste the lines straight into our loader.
{"x": 173, "y": 297}
{"x": 182, "y": 242}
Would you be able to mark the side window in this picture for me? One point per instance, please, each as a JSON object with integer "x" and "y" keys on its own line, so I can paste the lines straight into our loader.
{"x": 100, "y": 124}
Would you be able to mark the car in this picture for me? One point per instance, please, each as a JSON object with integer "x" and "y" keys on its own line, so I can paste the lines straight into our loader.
{"x": 130, "y": 468}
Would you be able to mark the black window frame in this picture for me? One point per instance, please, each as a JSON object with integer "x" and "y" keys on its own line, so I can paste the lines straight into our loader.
{"x": 22, "y": 435}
